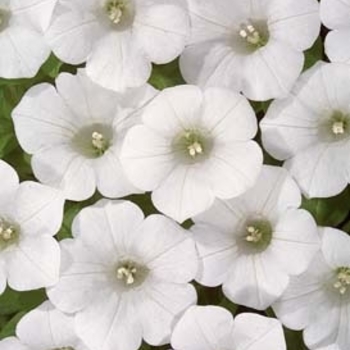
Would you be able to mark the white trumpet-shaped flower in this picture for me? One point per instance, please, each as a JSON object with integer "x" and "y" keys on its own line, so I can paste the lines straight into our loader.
{"x": 119, "y": 39}
{"x": 254, "y": 243}
{"x": 75, "y": 132}
{"x": 251, "y": 46}
{"x": 310, "y": 130}
{"x": 318, "y": 301}
{"x": 125, "y": 277}
{"x": 30, "y": 214}
{"x": 193, "y": 146}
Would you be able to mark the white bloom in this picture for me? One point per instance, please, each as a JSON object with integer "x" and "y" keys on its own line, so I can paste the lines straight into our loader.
{"x": 125, "y": 276}
{"x": 251, "y": 46}
{"x": 335, "y": 14}
{"x": 22, "y": 43}
{"x": 44, "y": 328}
{"x": 213, "y": 327}
{"x": 310, "y": 129}
{"x": 75, "y": 134}
{"x": 253, "y": 243}
{"x": 30, "y": 214}
{"x": 318, "y": 301}
{"x": 194, "y": 146}
{"x": 119, "y": 38}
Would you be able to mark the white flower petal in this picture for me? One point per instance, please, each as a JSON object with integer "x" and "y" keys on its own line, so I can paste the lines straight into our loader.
{"x": 271, "y": 72}
{"x": 274, "y": 193}
{"x": 327, "y": 327}
{"x": 256, "y": 332}
{"x": 337, "y": 46}
{"x": 72, "y": 35}
{"x": 64, "y": 169}
{"x": 167, "y": 249}
{"x": 110, "y": 324}
{"x": 3, "y": 276}
{"x": 212, "y": 63}
{"x": 201, "y": 327}
{"x": 12, "y": 343}
{"x": 186, "y": 192}
{"x": 110, "y": 177}
{"x": 56, "y": 329}
{"x": 38, "y": 209}
{"x": 228, "y": 115}
{"x": 295, "y": 236}
{"x": 335, "y": 14}
{"x": 335, "y": 247}
{"x": 99, "y": 230}
{"x": 233, "y": 167}
{"x": 23, "y": 52}
{"x": 162, "y": 303}
{"x": 9, "y": 183}
{"x": 146, "y": 157}
{"x": 161, "y": 29}
{"x": 42, "y": 110}
{"x": 33, "y": 12}
{"x": 217, "y": 252}
{"x": 85, "y": 99}
{"x": 84, "y": 278}
{"x": 174, "y": 109}
{"x": 255, "y": 281}
{"x": 117, "y": 63}
{"x": 320, "y": 170}
{"x": 34, "y": 263}
{"x": 295, "y": 23}
{"x": 299, "y": 304}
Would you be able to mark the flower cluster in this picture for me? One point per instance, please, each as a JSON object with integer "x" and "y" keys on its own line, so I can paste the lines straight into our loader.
{"x": 184, "y": 214}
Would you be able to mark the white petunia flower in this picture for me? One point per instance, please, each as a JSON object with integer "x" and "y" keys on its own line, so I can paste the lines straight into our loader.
{"x": 335, "y": 14}
{"x": 125, "y": 276}
{"x": 22, "y": 43}
{"x": 119, "y": 38}
{"x": 75, "y": 133}
{"x": 253, "y": 243}
{"x": 318, "y": 301}
{"x": 30, "y": 214}
{"x": 310, "y": 129}
{"x": 251, "y": 46}
{"x": 44, "y": 328}
{"x": 213, "y": 327}
{"x": 194, "y": 146}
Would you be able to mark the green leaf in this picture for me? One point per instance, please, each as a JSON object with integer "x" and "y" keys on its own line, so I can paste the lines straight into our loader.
{"x": 12, "y": 302}
{"x": 52, "y": 66}
{"x": 166, "y": 75}
{"x": 329, "y": 211}
{"x": 10, "y": 328}
{"x": 314, "y": 54}
{"x": 294, "y": 340}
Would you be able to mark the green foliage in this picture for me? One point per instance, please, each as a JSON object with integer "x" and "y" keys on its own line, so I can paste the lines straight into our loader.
{"x": 329, "y": 211}
{"x": 314, "y": 54}
{"x": 166, "y": 75}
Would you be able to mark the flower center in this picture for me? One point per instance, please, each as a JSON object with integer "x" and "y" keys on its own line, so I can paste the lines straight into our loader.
{"x": 335, "y": 128}
{"x": 131, "y": 274}
{"x": 338, "y": 127}
{"x": 8, "y": 233}
{"x": 193, "y": 145}
{"x": 115, "y": 9}
{"x": 254, "y": 33}
{"x": 342, "y": 282}
{"x": 93, "y": 141}
{"x": 257, "y": 234}
{"x": 64, "y": 348}
{"x": 119, "y": 13}
{"x": 99, "y": 143}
